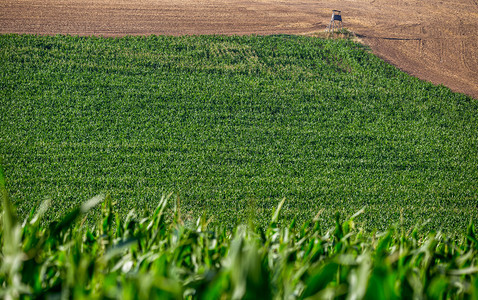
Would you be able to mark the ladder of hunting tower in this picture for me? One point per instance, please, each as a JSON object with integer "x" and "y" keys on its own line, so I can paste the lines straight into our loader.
{"x": 335, "y": 21}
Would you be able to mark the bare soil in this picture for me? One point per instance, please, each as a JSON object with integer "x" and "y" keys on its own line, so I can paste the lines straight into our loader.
{"x": 434, "y": 40}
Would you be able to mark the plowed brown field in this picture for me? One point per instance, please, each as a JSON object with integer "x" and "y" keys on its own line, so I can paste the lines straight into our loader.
{"x": 433, "y": 40}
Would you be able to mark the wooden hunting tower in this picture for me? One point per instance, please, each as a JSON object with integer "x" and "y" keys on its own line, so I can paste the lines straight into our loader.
{"x": 335, "y": 22}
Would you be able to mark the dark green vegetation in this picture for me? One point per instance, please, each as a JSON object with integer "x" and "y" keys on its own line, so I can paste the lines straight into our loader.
{"x": 158, "y": 259}
{"x": 233, "y": 125}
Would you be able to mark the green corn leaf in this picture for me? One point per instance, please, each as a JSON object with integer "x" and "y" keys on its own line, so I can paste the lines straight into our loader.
{"x": 66, "y": 222}
{"x": 320, "y": 278}
{"x": 466, "y": 271}
{"x": 275, "y": 217}
{"x": 119, "y": 248}
{"x": 2, "y": 178}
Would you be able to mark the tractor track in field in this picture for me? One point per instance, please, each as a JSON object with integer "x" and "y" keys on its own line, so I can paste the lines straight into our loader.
{"x": 433, "y": 41}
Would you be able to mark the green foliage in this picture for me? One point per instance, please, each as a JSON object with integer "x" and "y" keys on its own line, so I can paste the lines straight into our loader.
{"x": 153, "y": 257}
{"x": 233, "y": 125}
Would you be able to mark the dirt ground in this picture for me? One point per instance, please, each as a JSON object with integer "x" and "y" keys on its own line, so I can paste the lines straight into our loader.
{"x": 434, "y": 40}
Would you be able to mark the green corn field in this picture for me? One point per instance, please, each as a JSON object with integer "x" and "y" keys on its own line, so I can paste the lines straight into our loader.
{"x": 231, "y": 167}
{"x": 157, "y": 256}
{"x": 233, "y": 124}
